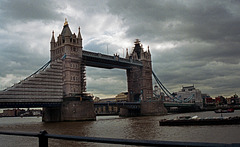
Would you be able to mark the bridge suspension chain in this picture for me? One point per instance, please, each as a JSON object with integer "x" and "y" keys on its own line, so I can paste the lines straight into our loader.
{"x": 40, "y": 69}
{"x": 168, "y": 93}
{"x": 164, "y": 89}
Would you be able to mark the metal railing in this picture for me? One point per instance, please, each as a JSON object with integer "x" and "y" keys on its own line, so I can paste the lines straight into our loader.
{"x": 43, "y": 140}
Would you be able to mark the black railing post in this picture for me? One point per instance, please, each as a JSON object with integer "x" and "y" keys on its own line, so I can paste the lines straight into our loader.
{"x": 43, "y": 140}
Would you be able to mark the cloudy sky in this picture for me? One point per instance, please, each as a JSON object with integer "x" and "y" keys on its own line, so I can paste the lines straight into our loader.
{"x": 192, "y": 42}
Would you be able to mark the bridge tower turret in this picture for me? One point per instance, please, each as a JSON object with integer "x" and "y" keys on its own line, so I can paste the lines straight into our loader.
{"x": 140, "y": 84}
{"x": 140, "y": 78}
{"x": 69, "y": 48}
{"x": 75, "y": 105}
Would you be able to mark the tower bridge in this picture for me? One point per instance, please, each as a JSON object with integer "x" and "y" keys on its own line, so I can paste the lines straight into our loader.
{"x": 60, "y": 85}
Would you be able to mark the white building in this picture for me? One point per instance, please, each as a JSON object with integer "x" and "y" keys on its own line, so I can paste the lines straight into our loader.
{"x": 157, "y": 94}
{"x": 190, "y": 94}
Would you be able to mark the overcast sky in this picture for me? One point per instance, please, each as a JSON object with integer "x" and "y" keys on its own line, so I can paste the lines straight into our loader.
{"x": 191, "y": 42}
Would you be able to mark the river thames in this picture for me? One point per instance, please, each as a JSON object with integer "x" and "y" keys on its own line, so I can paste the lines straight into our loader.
{"x": 145, "y": 128}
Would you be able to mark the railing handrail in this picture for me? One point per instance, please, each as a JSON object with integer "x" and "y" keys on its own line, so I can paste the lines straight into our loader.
{"x": 43, "y": 140}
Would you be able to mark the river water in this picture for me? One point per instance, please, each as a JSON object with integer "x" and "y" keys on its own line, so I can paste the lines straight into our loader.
{"x": 146, "y": 128}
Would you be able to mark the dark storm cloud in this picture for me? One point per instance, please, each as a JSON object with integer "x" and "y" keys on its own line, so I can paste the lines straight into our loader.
{"x": 26, "y": 10}
{"x": 205, "y": 37}
{"x": 16, "y": 60}
{"x": 191, "y": 42}
{"x": 179, "y": 20}
{"x": 106, "y": 82}
{"x": 100, "y": 81}
{"x": 23, "y": 37}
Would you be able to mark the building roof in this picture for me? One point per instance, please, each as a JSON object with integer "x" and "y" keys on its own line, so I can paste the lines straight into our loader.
{"x": 137, "y": 48}
{"x": 66, "y": 31}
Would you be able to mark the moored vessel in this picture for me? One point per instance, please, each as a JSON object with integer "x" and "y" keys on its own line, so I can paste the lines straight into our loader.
{"x": 230, "y": 110}
{"x": 181, "y": 121}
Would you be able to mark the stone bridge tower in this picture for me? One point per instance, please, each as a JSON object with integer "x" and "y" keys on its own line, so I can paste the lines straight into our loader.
{"x": 69, "y": 48}
{"x": 76, "y": 104}
{"x": 140, "y": 78}
{"x": 140, "y": 85}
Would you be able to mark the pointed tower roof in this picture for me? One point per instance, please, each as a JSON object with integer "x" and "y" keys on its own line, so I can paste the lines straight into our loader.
{"x": 53, "y": 38}
{"x": 79, "y": 34}
{"x": 137, "y": 49}
{"x": 66, "y": 30}
{"x": 127, "y": 56}
{"x": 148, "y": 50}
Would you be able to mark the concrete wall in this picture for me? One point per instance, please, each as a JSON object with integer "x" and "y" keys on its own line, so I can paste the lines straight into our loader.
{"x": 51, "y": 114}
{"x": 153, "y": 108}
{"x": 127, "y": 112}
{"x": 70, "y": 111}
{"x": 77, "y": 111}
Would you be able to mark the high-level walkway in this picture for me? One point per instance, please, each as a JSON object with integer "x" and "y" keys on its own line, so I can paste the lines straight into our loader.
{"x": 107, "y": 61}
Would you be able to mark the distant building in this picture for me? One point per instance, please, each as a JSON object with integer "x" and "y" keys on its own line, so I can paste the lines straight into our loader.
{"x": 102, "y": 110}
{"x": 220, "y": 100}
{"x": 107, "y": 100}
{"x": 190, "y": 94}
{"x": 36, "y": 112}
{"x": 207, "y": 100}
{"x": 122, "y": 97}
{"x": 234, "y": 100}
{"x": 96, "y": 99}
{"x": 9, "y": 112}
{"x": 21, "y": 112}
{"x": 157, "y": 94}
{"x": 156, "y": 90}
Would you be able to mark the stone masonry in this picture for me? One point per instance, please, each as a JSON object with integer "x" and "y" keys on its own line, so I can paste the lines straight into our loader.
{"x": 140, "y": 78}
{"x": 69, "y": 47}
{"x": 45, "y": 86}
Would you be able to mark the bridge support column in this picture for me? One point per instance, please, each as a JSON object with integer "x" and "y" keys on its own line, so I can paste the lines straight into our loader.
{"x": 77, "y": 111}
{"x": 128, "y": 112}
{"x": 153, "y": 108}
{"x": 70, "y": 111}
{"x": 52, "y": 114}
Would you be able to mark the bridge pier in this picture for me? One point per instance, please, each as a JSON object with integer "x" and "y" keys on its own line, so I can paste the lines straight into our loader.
{"x": 51, "y": 114}
{"x": 78, "y": 111}
{"x": 70, "y": 111}
{"x": 153, "y": 108}
{"x": 129, "y": 112}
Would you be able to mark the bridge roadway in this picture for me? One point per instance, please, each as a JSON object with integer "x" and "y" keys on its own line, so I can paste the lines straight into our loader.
{"x": 29, "y": 104}
{"x": 133, "y": 105}
{"x": 137, "y": 104}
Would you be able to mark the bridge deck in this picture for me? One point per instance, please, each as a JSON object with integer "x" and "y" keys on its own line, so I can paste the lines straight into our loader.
{"x": 107, "y": 61}
{"x": 166, "y": 104}
{"x": 29, "y": 104}
{"x": 172, "y": 104}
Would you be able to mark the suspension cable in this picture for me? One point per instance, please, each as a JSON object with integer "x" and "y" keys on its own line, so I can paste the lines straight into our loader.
{"x": 168, "y": 93}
